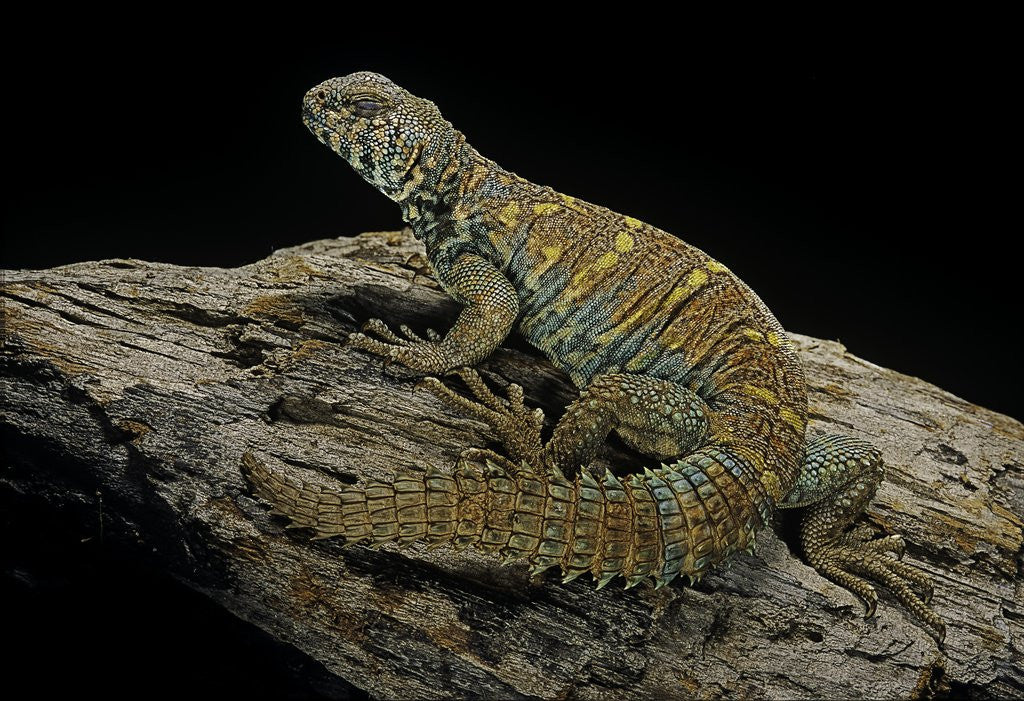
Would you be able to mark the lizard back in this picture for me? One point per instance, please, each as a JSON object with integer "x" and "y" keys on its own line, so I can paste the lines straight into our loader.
{"x": 601, "y": 292}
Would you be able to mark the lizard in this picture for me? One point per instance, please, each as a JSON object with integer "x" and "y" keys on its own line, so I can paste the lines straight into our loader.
{"x": 670, "y": 350}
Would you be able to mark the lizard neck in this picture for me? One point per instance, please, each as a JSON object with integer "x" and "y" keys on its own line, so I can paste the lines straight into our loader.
{"x": 442, "y": 182}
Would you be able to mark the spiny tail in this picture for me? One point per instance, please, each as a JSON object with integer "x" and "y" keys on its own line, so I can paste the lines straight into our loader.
{"x": 672, "y": 520}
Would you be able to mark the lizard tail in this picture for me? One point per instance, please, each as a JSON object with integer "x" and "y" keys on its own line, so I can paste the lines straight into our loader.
{"x": 638, "y": 527}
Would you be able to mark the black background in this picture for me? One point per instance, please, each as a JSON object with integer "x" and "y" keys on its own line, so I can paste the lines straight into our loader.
{"x": 857, "y": 183}
{"x": 859, "y": 191}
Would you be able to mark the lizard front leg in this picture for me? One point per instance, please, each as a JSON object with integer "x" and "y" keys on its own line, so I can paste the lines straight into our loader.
{"x": 491, "y": 308}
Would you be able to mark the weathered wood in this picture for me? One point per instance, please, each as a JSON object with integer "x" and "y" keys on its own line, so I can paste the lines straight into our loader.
{"x": 145, "y": 383}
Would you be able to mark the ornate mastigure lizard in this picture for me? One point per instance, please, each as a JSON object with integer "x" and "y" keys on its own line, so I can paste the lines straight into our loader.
{"x": 669, "y": 348}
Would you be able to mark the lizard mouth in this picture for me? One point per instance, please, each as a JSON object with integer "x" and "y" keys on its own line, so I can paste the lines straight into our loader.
{"x": 318, "y": 124}
{"x": 313, "y": 115}
{"x": 314, "y": 122}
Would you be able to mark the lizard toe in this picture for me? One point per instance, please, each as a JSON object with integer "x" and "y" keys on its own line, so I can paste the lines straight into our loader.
{"x": 851, "y": 566}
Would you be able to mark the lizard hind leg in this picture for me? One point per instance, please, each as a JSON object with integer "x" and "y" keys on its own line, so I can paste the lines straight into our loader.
{"x": 658, "y": 418}
{"x": 672, "y": 520}
{"x": 839, "y": 477}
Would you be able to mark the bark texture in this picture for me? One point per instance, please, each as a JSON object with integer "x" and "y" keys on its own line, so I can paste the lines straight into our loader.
{"x": 143, "y": 385}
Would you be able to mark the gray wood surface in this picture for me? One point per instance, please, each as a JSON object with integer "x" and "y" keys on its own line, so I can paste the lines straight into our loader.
{"x": 143, "y": 384}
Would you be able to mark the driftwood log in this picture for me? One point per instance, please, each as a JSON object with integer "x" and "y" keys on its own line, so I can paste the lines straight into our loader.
{"x": 145, "y": 385}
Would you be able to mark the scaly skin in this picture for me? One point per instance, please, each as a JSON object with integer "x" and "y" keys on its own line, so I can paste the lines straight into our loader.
{"x": 670, "y": 349}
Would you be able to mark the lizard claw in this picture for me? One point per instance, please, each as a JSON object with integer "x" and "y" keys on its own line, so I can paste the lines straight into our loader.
{"x": 515, "y": 425}
{"x": 850, "y": 564}
{"x": 429, "y": 383}
{"x": 411, "y": 351}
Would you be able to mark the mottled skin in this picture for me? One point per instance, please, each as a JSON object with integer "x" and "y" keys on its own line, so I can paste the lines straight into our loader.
{"x": 670, "y": 349}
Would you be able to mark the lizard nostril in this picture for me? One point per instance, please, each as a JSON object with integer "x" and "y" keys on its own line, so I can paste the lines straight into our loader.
{"x": 321, "y": 96}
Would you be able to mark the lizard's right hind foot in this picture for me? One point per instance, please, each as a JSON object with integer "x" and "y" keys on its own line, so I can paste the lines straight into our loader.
{"x": 517, "y": 427}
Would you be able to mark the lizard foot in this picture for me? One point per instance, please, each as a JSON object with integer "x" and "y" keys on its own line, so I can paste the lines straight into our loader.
{"x": 409, "y": 349}
{"x": 837, "y": 481}
{"x": 851, "y": 562}
{"x": 517, "y": 427}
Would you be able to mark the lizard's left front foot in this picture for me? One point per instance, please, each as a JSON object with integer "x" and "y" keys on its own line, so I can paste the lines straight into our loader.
{"x": 409, "y": 349}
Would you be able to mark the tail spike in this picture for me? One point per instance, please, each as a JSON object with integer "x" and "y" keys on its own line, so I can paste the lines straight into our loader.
{"x": 571, "y": 575}
{"x": 536, "y": 570}
{"x": 555, "y": 474}
{"x": 662, "y": 579}
{"x": 634, "y": 580}
{"x": 611, "y": 481}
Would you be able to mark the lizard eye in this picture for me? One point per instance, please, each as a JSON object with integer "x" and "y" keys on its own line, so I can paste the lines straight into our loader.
{"x": 367, "y": 106}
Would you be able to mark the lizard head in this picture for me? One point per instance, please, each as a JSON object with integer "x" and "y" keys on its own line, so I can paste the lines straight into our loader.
{"x": 382, "y": 130}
